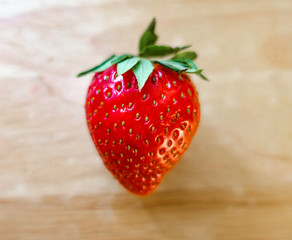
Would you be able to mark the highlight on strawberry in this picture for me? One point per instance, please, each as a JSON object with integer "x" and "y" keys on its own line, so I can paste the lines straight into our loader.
{"x": 142, "y": 113}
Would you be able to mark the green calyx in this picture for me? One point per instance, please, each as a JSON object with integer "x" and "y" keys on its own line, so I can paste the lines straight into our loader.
{"x": 182, "y": 61}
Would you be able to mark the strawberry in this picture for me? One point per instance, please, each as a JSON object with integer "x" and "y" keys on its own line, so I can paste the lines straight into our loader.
{"x": 141, "y": 113}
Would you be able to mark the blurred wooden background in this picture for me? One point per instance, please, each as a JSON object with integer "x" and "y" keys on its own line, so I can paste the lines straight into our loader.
{"x": 234, "y": 182}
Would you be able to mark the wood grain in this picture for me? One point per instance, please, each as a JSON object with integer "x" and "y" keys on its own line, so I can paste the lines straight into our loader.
{"x": 235, "y": 180}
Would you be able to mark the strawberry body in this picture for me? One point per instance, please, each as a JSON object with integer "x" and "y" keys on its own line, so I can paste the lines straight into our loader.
{"x": 141, "y": 134}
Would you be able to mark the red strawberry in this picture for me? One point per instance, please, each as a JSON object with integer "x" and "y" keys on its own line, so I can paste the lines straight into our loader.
{"x": 142, "y": 114}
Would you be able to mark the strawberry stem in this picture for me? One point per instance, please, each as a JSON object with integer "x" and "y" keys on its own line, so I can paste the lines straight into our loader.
{"x": 142, "y": 66}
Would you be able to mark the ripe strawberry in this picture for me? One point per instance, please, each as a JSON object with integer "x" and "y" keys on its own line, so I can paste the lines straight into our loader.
{"x": 142, "y": 114}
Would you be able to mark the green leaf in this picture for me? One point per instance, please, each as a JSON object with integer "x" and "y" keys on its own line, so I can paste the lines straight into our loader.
{"x": 127, "y": 64}
{"x": 185, "y": 47}
{"x": 149, "y": 37}
{"x": 198, "y": 71}
{"x": 190, "y": 63}
{"x": 174, "y": 65}
{"x": 142, "y": 70}
{"x": 120, "y": 58}
{"x": 160, "y": 51}
{"x": 188, "y": 55}
{"x": 194, "y": 71}
{"x": 99, "y": 68}
{"x": 203, "y": 77}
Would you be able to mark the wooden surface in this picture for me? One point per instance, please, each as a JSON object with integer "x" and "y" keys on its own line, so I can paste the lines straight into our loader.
{"x": 234, "y": 182}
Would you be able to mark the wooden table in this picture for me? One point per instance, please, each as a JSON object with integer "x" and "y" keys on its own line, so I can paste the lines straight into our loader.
{"x": 234, "y": 182}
